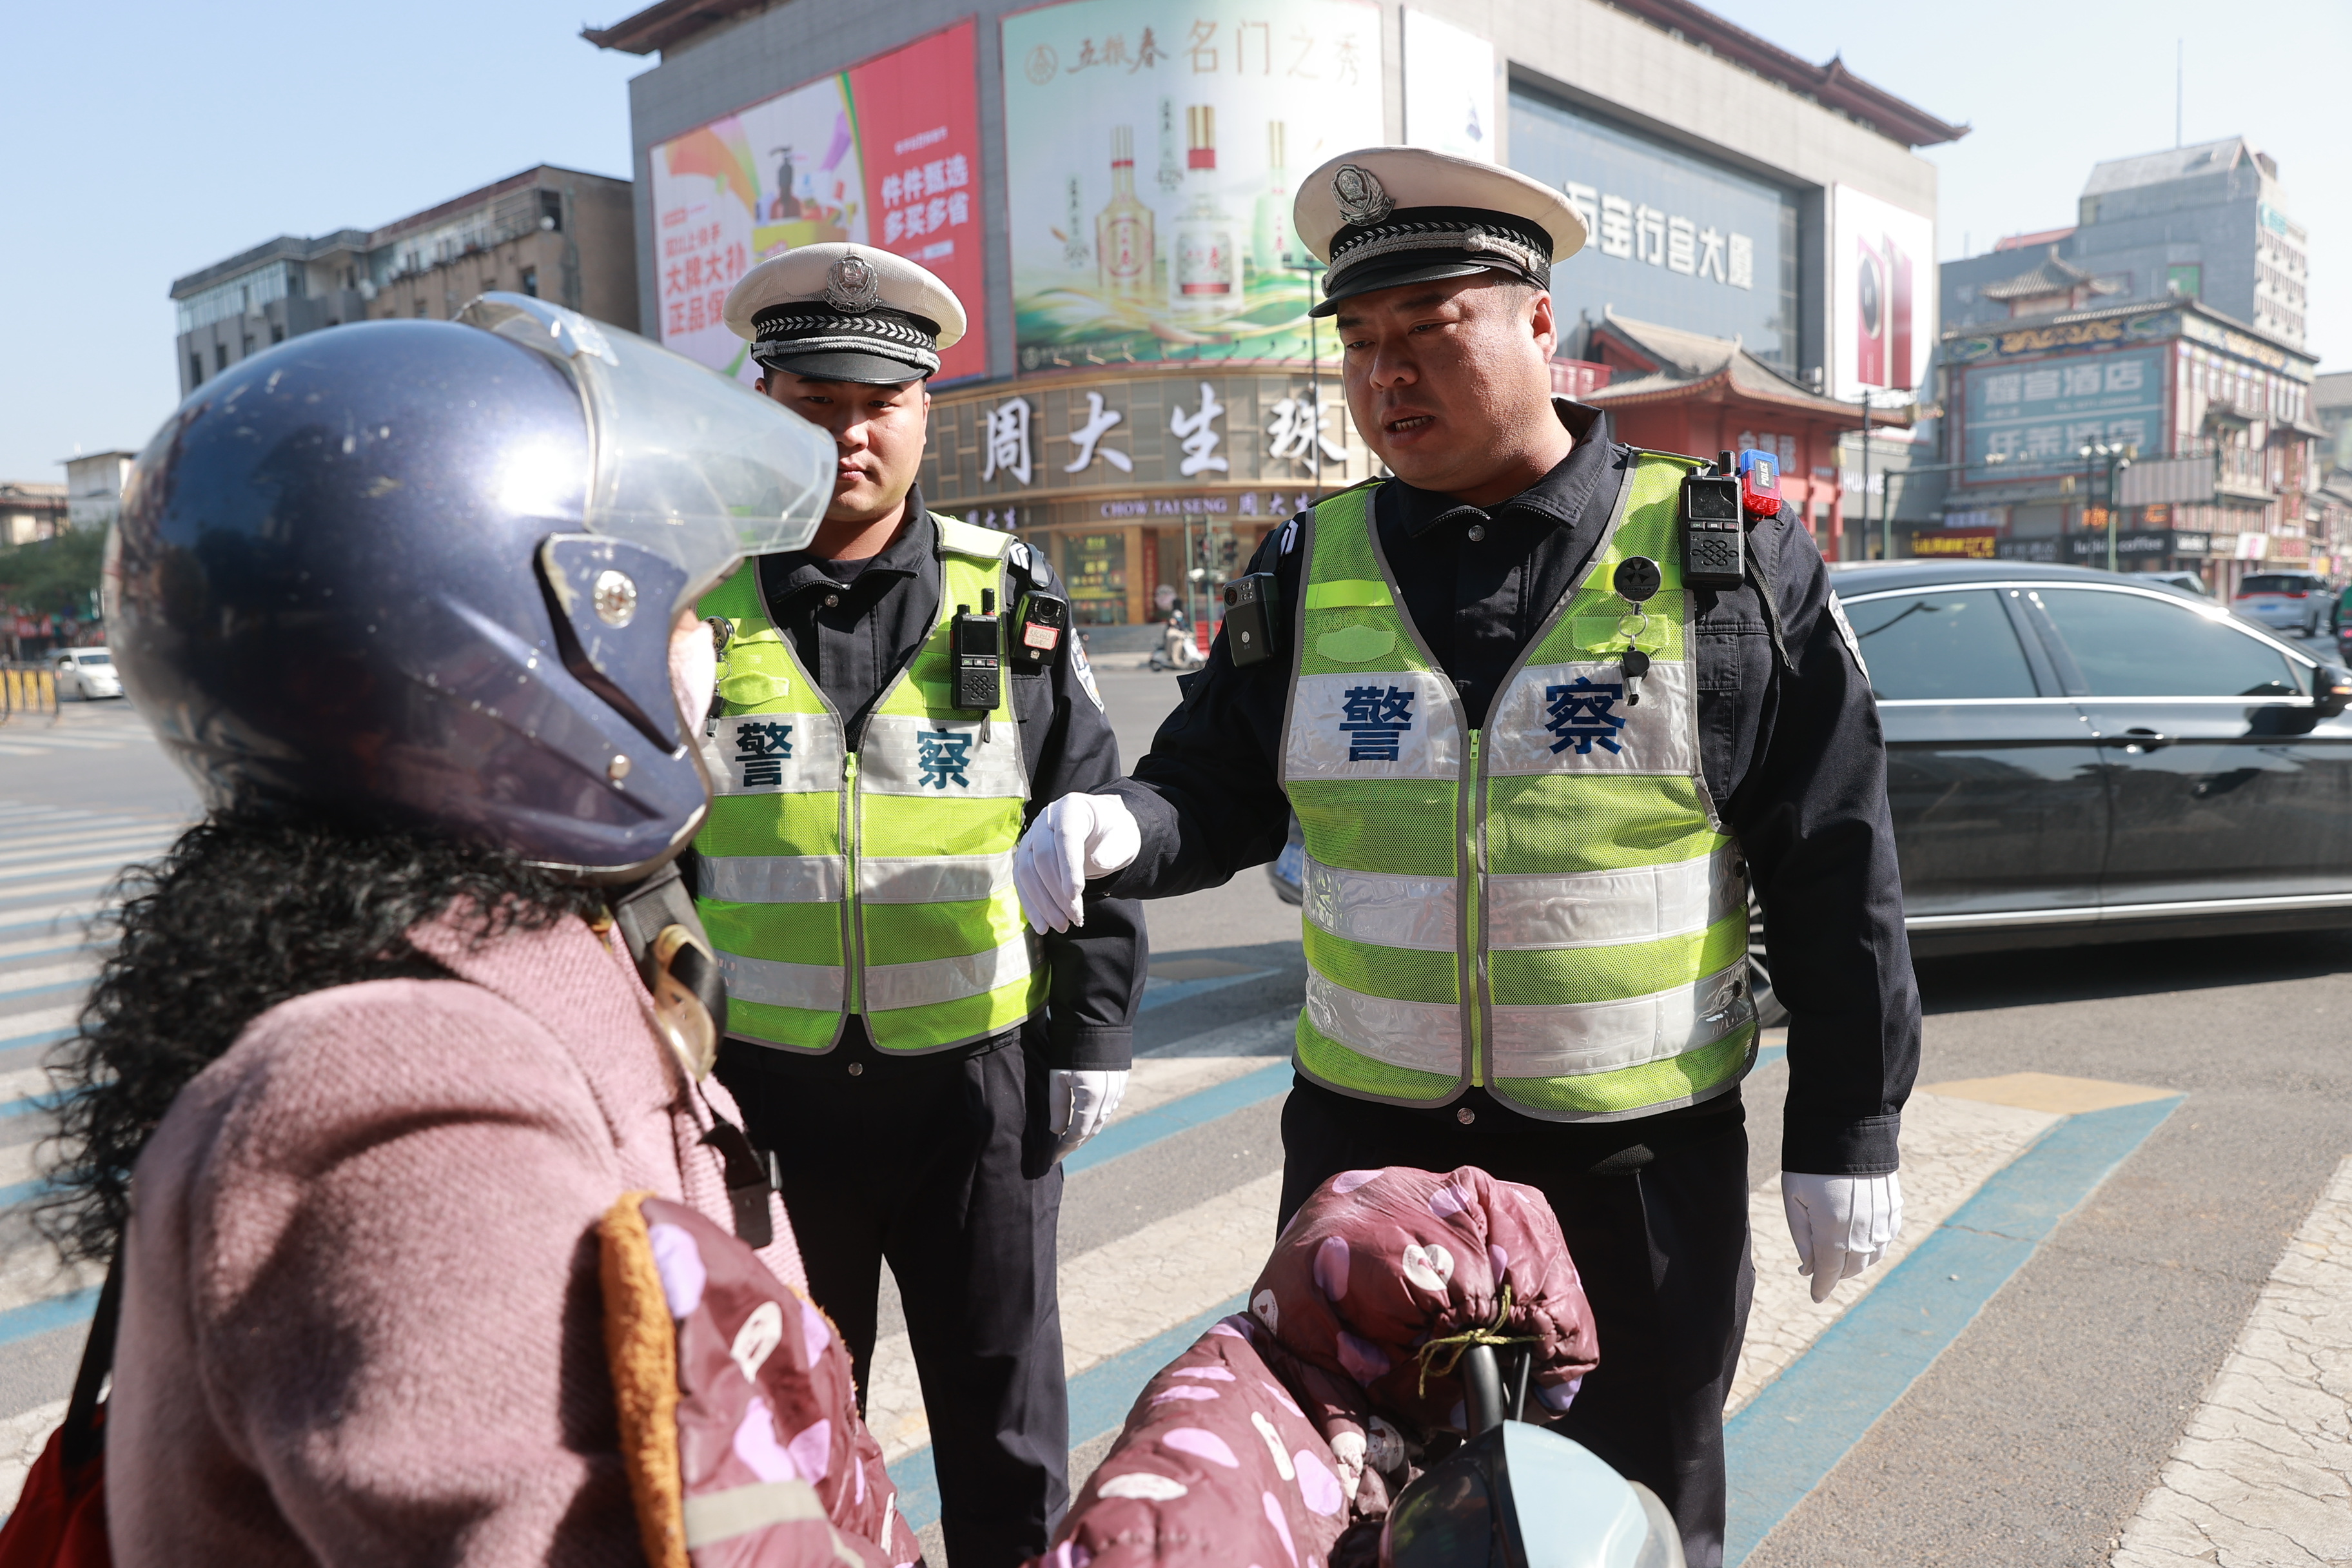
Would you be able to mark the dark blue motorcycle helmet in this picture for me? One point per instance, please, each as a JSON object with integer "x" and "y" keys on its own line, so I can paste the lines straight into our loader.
{"x": 428, "y": 570}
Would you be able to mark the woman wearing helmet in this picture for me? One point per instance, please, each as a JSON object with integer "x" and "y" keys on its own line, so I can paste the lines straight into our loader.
{"x": 388, "y": 1033}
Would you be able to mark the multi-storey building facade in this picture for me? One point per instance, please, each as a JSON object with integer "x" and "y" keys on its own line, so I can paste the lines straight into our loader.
{"x": 2136, "y": 387}
{"x": 557, "y": 233}
{"x": 1108, "y": 184}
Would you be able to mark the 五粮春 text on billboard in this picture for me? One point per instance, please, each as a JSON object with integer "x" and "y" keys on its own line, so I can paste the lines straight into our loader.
{"x": 1152, "y": 150}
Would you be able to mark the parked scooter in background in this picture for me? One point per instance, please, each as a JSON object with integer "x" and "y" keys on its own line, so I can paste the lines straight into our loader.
{"x": 1177, "y": 649}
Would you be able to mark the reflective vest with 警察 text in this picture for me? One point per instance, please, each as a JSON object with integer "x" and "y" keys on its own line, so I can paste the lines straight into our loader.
{"x": 876, "y": 881}
{"x": 1547, "y": 906}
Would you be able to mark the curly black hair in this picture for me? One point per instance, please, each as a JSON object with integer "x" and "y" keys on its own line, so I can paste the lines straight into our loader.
{"x": 250, "y": 908}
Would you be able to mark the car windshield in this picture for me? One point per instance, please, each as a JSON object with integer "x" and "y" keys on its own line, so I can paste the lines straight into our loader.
{"x": 99, "y": 656}
{"x": 2274, "y": 583}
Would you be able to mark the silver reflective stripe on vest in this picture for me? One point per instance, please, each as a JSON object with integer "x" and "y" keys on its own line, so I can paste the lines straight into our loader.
{"x": 921, "y": 879}
{"x": 1602, "y": 1036}
{"x": 774, "y": 753}
{"x": 906, "y": 754}
{"x": 1598, "y": 908}
{"x": 812, "y": 987}
{"x": 1398, "y": 724}
{"x": 772, "y": 879}
{"x": 1418, "y": 913}
{"x": 1424, "y": 1035}
{"x": 1560, "y": 718}
{"x": 935, "y": 980}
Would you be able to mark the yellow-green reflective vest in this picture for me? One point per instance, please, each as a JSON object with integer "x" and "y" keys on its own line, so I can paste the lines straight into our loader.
{"x": 1548, "y": 907}
{"x": 877, "y": 881}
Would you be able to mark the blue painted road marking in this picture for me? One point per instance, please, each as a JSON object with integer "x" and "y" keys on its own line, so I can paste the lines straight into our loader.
{"x": 1127, "y": 1134}
{"x": 1785, "y": 1441}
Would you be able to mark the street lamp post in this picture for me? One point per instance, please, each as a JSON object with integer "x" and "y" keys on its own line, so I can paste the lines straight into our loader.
{"x": 2118, "y": 455}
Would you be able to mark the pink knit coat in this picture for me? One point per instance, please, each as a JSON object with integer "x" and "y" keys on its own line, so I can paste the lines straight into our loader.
{"x": 360, "y": 1321}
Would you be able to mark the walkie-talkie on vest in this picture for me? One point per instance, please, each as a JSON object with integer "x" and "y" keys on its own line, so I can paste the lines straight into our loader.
{"x": 978, "y": 643}
{"x": 1637, "y": 578}
{"x": 1715, "y": 540}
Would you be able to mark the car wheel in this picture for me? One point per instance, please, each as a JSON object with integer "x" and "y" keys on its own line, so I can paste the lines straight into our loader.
{"x": 1770, "y": 1013}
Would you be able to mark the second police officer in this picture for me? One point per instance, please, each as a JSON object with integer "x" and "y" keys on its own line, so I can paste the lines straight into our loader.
{"x": 1537, "y": 768}
{"x": 914, "y": 1056}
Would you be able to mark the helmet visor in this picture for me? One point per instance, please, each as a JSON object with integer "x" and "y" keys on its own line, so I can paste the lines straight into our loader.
{"x": 695, "y": 467}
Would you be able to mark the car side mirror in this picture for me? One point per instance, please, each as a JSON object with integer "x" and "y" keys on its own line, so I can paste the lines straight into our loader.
{"x": 2331, "y": 690}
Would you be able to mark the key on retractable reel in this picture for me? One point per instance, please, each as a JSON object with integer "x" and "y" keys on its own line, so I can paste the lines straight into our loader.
{"x": 1637, "y": 580}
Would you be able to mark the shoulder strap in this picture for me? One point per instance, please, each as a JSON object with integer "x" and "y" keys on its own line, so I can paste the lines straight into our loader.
{"x": 960, "y": 538}
{"x": 81, "y": 1438}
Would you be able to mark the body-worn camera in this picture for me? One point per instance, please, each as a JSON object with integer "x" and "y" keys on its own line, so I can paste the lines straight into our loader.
{"x": 1714, "y": 537}
{"x": 1253, "y": 619}
{"x": 1038, "y": 630}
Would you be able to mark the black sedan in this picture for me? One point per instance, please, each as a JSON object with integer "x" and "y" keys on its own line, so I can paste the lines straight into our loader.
{"x": 2076, "y": 757}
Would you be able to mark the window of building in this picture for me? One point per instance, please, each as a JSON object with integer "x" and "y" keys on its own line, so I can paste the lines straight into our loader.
{"x": 220, "y": 356}
{"x": 530, "y": 281}
{"x": 551, "y": 210}
{"x": 245, "y": 345}
{"x": 195, "y": 370}
{"x": 277, "y": 333}
{"x": 420, "y": 307}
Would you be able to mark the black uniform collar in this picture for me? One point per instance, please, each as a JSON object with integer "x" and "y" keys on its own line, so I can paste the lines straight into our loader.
{"x": 785, "y": 576}
{"x": 1559, "y": 496}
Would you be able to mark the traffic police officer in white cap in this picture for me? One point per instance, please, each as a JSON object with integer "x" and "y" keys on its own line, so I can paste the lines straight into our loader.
{"x": 1541, "y": 738}
{"x": 916, "y": 1060}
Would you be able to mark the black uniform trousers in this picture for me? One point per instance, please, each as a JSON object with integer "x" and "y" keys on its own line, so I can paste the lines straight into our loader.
{"x": 1655, "y": 1212}
{"x": 920, "y": 1160}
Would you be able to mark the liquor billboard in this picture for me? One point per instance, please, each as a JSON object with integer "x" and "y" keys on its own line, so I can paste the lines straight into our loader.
{"x": 886, "y": 153}
{"x": 1151, "y": 152}
{"x": 1882, "y": 325}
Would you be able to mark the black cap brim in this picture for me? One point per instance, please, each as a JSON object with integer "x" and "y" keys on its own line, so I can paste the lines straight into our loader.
{"x": 1371, "y": 279}
{"x": 867, "y": 370}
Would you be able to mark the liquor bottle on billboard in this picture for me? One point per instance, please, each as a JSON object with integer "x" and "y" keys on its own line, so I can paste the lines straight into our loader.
{"x": 1208, "y": 273}
{"x": 1123, "y": 237}
{"x": 1273, "y": 247}
{"x": 1870, "y": 314}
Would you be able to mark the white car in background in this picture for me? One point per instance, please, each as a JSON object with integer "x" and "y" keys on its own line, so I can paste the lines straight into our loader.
{"x": 86, "y": 674}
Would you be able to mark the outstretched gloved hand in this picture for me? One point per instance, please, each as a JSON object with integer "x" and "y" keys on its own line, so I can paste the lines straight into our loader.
{"x": 1842, "y": 1225}
{"x": 1080, "y": 1103}
{"x": 1075, "y": 838}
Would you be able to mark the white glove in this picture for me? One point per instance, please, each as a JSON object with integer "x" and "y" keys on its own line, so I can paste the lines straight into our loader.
{"x": 1081, "y": 1103}
{"x": 1842, "y": 1225}
{"x": 1076, "y": 837}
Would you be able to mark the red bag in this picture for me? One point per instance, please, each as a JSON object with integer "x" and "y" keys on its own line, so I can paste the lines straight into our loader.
{"x": 60, "y": 1516}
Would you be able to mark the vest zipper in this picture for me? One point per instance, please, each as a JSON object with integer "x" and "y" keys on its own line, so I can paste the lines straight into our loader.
{"x": 1474, "y": 927}
{"x": 852, "y": 909}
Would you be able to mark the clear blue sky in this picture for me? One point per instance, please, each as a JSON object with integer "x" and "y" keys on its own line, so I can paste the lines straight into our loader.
{"x": 147, "y": 140}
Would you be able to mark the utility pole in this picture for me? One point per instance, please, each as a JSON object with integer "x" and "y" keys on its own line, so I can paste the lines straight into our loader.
{"x": 1866, "y": 473}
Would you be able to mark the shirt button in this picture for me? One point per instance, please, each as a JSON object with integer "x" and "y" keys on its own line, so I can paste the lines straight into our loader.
{"x": 832, "y": 600}
{"x": 855, "y": 1069}
{"x": 1466, "y": 1116}
{"x": 1477, "y": 531}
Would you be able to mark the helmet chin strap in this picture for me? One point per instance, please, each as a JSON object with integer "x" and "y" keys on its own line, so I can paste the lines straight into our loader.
{"x": 672, "y": 956}
{"x": 665, "y": 940}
